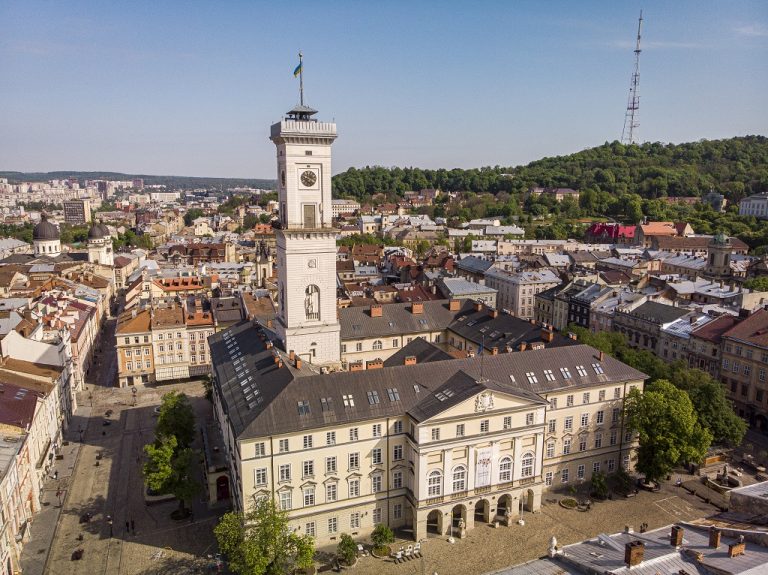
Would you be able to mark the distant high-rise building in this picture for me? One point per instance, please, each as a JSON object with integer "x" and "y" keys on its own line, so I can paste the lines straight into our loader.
{"x": 138, "y": 183}
{"x": 77, "y": 211}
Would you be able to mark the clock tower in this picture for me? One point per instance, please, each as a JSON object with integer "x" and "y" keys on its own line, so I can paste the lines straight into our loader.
{"x": 307, "y": 320}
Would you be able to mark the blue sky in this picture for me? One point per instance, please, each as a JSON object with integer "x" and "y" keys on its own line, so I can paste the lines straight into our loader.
{"x": 190, "y": 88}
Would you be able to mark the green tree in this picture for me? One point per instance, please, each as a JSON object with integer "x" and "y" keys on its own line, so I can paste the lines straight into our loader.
{"x": 757, "y": 284}
{"x": 176, "y": 419}
{"x": 347, "y": 549}
{"x": 382, "y": 535}
{"x": 259, "y": 542}
{"x": 191, "y": 215}
{"x": 169, "y": 469}
{"x": 669, "y": 431}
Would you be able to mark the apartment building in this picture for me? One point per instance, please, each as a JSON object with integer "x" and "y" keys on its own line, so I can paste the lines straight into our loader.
{"x": 745, "y": 365}
{"x": 516, "y": 291}
{"x": 427, "y": 447}
{"x": 642, "y": 325}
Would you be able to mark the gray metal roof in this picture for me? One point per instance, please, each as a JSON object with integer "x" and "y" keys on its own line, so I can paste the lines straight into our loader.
{"x": 397, "y": 319}
{"x": 658, "y": 312}
{"x": 473, "y": 265}
{"x": 262, "y": 399}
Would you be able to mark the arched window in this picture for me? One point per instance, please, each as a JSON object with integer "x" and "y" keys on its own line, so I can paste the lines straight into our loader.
{"x": 434, "y": 484}
{"x": 312, "y": 302}
{"x": 377, "y": 345}
{"x": 526, "y": 467}
{"x": 459, "y": 479}
{"x": 505, "y": 469}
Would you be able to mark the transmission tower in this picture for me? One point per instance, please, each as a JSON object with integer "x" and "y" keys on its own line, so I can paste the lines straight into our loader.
{"x": 631, "y": 120}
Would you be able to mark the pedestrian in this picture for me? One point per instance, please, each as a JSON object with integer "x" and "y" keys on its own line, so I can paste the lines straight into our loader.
{"x": 55, "y": 474}
{"x": 133, "y": 527}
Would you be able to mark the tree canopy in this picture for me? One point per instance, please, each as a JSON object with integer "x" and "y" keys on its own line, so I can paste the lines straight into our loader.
{"x": 668, "y": 428}
{"x": 168, "y": 469}
{"x": 259, "y": 542}
{"x": 176, "y": 419}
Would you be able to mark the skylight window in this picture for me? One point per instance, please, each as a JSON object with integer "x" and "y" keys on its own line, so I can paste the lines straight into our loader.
{"x": 303, "y": 407}
{"x": 416, "y": 388}
{"x": 598, "y": 368}
{"x": 531, "y": 377}
{"x": 565, "y": 372}
{"x": 393, "y": 394}
{"x": 373, "y": 397}
{"x": 326, "y": 403}
{"x": 471, "y": 323}
{"x": 349, "y": 401}
{"x": 549, "y": 375}
{"x": 581, "y": 370}
{"x": 441, "y": 396}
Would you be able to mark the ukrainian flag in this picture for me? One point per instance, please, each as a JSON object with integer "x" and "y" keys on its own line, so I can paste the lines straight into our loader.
{"x": 297, "y": 71}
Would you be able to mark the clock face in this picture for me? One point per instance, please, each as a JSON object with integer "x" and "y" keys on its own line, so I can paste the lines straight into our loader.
{"x": 308, "y": 178}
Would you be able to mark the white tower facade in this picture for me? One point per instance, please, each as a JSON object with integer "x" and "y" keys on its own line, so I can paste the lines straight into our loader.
{"x": 307, "y": 320}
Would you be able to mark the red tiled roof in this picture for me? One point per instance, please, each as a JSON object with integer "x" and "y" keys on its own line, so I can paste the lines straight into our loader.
{"x": 753, "y": 329}
{"x": 714, "y": 330}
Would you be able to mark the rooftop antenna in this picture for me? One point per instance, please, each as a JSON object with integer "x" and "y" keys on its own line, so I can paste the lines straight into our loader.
{"x": 631, "y": 122}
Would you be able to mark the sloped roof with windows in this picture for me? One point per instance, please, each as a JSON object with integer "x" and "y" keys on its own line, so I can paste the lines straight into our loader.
{"x": 261, "y": 392}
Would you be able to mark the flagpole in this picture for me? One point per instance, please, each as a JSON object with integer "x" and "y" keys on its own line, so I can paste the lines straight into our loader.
{"x": 301, "y": 78}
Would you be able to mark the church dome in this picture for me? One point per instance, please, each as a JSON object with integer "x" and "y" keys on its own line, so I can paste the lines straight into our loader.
{"x": 45, "y": 230}
{"x": 98, "y": 231}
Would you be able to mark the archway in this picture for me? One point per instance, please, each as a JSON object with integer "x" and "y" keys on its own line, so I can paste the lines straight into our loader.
{"x": 458, "y": 514}
{"x": 504, "y": 505}
{"x": 435, "y": 522}
{"x": 222, "y": 488}
{"x": 482, "y": 511}
{"x": 761, "y": 423}
{"x": 528, "y": 500}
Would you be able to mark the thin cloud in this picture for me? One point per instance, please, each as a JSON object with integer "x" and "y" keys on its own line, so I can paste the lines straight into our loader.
{"x": 752, "y": 30}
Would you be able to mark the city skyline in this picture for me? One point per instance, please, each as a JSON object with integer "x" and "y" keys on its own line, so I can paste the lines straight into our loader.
{"x": 156, "y": 90}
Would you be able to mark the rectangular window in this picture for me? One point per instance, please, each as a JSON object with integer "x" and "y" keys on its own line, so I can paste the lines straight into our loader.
{"x": 531, "y": 377}
{"x": 393, "y": 394}
{"x": 580, "y": 472}
{"x": 614, "y": 437}
{"x": 726, "y": 364}
{"x": 376, "y": 483}
{"x": 528, "y": 420}
{"x": 285, "y": 472}
{"x": 309, "y": 528}
{"x": 343, "y": 348}
{"x": 460, "y": 430}
{"x": 354, "y": 520}
{"x": 548, "y": 478}
{"x": 616, "y": 393}
{"x": 129, "y": 365}
{"x": 326, "y": 403}
{"x": 307, "y": 442}
{"x": 398, "y": 427}
{"x": 566, "y": 446}
{"x": 395, "y": 343}
{"x": 485, "y": 426}
{"x": 309, "y": 496}
{"x": 551, "y": 449}
{"x": 331, "y": 492}
{"x": 397, "y": 479}
{"x": 615, "y": 415}
{"x": 611, "y": 465}
{"x": 565, "y": 372}
{"x": 330, "y": 438}
{"x": 377, "y": 429}
{"x": 397, "y": 453}
{"x": 259, "y": 449}
{"x": 353, "y": 434}
{"x": 330, "y": 464}
{"x": 333, "y": 525}
{"x": 359, "y": 346}
{"x": 585, "y": 397}
{"x": 349, "y": 401}
{"x": 548, "y": 375}
{"x": 435, "y": 434}
{"x": 552, "y": 426}
{"x": 354, "y": 460}
{"x": 377, "y": 515}
{"x": 308, "y": 469}
{"x": 564, "y": 476}
{"x": 568, "y": 424}
{"x": 569, "y": 401}
{"x": 285, "y": 500}
{"x": 596, "y": 467}
{"x": 397, "y": 511}
{"x": 354, "y": 488}
{"x": 260, "y": 476}
{"x": 581, "y": 371}
{"x": 601, "y": 395}
{"x": 598, "y": 368}
{"x": 553, "y": 403}
{"x": 376, "y": 456}
{"x": 761, "y": 375}
{"x": 599, "y": 418}
{"x": 598, "y": 440}
{"x": 582, "y": 443}
{"x": 373, "y": 397}
{"x": 584, "y": 419}
{"x": 283, "y": 445}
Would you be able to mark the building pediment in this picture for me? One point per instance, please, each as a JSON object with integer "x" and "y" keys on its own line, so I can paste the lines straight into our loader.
{"x": 308, "y": 484}
{"x": 333, "y": 479}
{"x": 284, "y": 488}
{"x": 354, "y": 476}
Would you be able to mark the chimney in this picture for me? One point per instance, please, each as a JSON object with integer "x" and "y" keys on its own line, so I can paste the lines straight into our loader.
{"x": 356, "y": 366}
{"x": 714, "y": 537}
{"x": 478, "y": 306}
{"x": 376, "y": 310}
{"x": 601, "y": 356}
{"x": 633, "y": 553}
{"x": 417, "y": 307}
{"x": 676, "y": 537}
{"x": 291, "y": 355}
{"x": 547, "y": 335}
{"x": 298, "y": 362}
{"x": 454, "y": 305}
{"x": 736, "y": 549}
{"x": 493, "y": 313}
{"x": 279, "y": 363}
{"x": 374, "y": 364}
{"x": 269, "y": 324}
{"x": 410, "y": 360}
{"x": 494, "y": 351}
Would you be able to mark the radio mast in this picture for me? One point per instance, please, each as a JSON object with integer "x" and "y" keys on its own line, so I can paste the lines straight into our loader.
{"x": 631, "y": 121}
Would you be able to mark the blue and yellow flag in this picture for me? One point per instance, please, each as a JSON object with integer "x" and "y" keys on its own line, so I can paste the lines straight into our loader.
{"x": 297, "y": 71}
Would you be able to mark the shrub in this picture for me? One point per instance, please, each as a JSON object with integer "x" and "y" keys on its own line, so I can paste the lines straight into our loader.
{"x": 599, "y": 485}
{"x": 347, "y": 549}
{"x": 382, "y": 535}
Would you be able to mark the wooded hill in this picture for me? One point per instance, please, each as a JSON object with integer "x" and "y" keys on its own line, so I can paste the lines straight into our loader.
{"x": 735, "y": 167}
